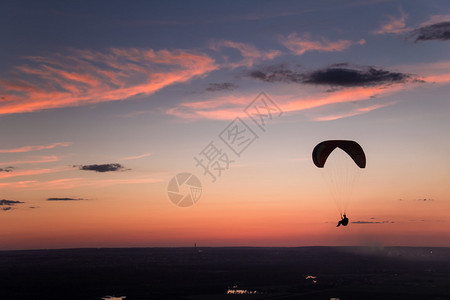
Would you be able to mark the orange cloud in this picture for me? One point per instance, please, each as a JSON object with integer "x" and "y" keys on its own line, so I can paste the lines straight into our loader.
{"x": 87, "y": 77}
{"x": 67, "y": 183}
{"x": 32, "y": 172}
{"x": 42, "y": 159}
{"x": 300, "y": 45}
{"x": 34, "y": 148}
{"x": 250, "y": 54}
{"x": 394, "y": 25}
{"x": 70, "y": 183}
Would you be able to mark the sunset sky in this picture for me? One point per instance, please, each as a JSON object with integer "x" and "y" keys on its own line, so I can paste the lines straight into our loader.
{"x": 102, "y": 103}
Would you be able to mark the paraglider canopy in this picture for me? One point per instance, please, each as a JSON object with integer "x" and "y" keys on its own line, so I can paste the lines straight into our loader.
{"x": 352, "y": 148}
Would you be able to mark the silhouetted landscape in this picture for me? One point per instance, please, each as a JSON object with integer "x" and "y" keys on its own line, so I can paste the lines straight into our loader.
{"x": 227, "y": 273}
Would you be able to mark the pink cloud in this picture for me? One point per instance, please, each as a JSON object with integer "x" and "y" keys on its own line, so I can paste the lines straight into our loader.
{"x": 250, "y": 54}
{"x": 352, "y": 113}
{"x": 221, "y": 108}
{"x": 87, "y": 77}
{"x": 300, "y": 45}
{"x": 441, "y": 78}
{"x": 137, "y": 156}
{"x": 436, "y": 19}
{"x": 224, "y": 109}
{"x": 339, "y": 96}
{"x": 34, "y": 148}
{"x": 394, "y": 25}
{"x": 434, "y": 73}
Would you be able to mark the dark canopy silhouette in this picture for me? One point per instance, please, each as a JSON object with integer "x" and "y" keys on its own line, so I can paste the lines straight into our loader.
{"x": 352, "y": 148}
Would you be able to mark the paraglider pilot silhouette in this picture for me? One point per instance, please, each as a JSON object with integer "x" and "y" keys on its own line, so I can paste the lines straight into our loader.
{"x": 343, "y": 221}
{"x": 342, "y": 175}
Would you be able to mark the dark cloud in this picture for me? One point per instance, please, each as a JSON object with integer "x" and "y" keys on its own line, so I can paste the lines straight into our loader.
{"x": 277, "y": 73}
{"x": 372, "y": 222}
{"x": 64, "y": 199}
{"x": 215, "y": 87}
{"x": 351, "y": 77}
{"x": 102, "y": 168}
{"x": 7, "y": 169}
{"x": 5, "y": 202}
{"x": 439, "y": 31}
{"x": 419, "y": 200}
{"x": 6, "y": 205}
{"x": 425, "y": 200}
{"x": 337, "y": 75}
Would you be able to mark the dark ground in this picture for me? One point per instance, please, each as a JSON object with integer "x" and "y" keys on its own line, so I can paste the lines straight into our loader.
{"x": 207, "y": 273}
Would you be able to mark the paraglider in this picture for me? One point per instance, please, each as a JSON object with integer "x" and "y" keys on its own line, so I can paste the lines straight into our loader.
{"x": 341, "y": 170}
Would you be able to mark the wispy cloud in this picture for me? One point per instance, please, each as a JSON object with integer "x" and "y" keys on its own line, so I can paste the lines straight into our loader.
{"x": 277, "y": 73}
{"x": 85, "y": 77}
{"x": 434, "y": 19}
{"x": 66, "y": 183}
{"x": 102, "y": 168}
{"x": 219, "y": 108}
{"x": 249, "y": 53}
{"x": 34, "y": 148}
{"x": 33, "y": 172}
{"x": 225, "y": 108}
{"x": 436, "y": 73}
{"x": 353, "y": 112}
{"x": 71, "y": 183}
{"x": 394, "y": 24}
{"x": 301, "y": 45}
{"x": 354, "y": 95}
{"x": 137, "y": 156}
{"x": 42, "y": 159}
